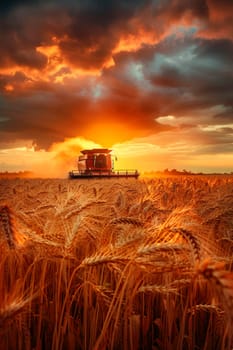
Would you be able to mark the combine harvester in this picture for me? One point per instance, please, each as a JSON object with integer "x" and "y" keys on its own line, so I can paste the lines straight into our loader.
{"x": 99, "y": 163}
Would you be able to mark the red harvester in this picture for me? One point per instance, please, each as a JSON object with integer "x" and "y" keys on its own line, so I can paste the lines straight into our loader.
{"x": 98, "y": 162}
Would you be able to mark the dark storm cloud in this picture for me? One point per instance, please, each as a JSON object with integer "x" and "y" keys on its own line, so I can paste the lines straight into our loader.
{"x": 176, "y": 72}
{"x": 25, "y": 28}
{"x": 176, "y": 9}
{"x": 219, "y": 50}
{"x": 42, "y": 117}
{"x": 212, "y": 77}
{"x": 7, "y": 6}
{"x": 88, "y": 30}
{"x": 94, "y": 29}
{"x": 198, "y": 74}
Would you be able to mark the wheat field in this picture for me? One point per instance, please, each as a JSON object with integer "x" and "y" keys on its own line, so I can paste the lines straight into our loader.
{"x": 116, "y": 264}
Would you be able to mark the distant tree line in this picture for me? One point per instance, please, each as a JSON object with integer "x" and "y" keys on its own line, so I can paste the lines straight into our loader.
{"x": 182, "y": 172}
{"x": 18, "y": 174}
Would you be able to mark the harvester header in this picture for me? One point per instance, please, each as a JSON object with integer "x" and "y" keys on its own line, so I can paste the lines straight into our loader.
{"x": 98, "y": 162}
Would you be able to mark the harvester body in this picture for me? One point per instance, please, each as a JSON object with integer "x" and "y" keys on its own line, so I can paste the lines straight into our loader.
{"x": 98, "y": 162}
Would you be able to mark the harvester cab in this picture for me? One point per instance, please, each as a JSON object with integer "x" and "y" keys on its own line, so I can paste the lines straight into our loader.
{"x": 99, "y": 162}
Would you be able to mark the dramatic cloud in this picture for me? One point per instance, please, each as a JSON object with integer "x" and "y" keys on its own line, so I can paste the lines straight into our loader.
{"x": 113, "y": 71}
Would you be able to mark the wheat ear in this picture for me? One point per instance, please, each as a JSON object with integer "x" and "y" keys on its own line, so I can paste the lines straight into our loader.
{"x": 191, "y": 239}
{"x": 6, "y": 218}
{"x": 127, "y": 220}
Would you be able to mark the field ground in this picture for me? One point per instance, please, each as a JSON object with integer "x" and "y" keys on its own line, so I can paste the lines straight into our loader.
{"x": 116, "y": 264}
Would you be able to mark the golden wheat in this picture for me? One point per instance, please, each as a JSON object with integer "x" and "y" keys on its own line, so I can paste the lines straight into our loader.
{"x": 116, "y": 264}
{"x": 7, "y": 221}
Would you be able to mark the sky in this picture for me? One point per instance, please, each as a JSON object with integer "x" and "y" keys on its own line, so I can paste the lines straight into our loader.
{"x": 150, "y": 79}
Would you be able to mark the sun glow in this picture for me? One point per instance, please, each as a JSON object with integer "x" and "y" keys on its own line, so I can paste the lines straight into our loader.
{"x": 107, "y": 133}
